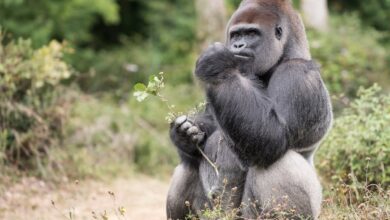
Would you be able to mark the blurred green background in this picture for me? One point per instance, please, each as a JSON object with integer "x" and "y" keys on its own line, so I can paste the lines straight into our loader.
{"x": 67, "y": 69}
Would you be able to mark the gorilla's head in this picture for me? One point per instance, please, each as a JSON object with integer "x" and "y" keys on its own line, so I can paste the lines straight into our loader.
{"x": 263, "y": 32}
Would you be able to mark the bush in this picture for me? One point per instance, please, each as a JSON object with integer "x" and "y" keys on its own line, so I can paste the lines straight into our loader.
{"x": 350, "y": 55}
{"x": 31, "y": 111}
{"x": 358, "y": 146}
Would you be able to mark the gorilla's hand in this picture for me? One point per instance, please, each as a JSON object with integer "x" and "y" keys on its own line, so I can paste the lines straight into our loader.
{"x": 186, "y": 135}
{"x": 216, "y": 63}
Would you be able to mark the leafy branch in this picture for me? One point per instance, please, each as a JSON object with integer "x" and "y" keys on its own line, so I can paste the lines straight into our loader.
{"x": 153, "y": 88}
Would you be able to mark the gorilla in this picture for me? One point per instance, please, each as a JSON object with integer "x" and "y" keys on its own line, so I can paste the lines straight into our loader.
{"x": 267, "y": 111}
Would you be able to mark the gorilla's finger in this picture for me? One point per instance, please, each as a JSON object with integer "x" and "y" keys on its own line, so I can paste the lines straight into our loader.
{"x": 180, "y": 120}
{"x": 192, "y": 130}
{"x": 198, "y": 138}
{"x": 185, "y": 126}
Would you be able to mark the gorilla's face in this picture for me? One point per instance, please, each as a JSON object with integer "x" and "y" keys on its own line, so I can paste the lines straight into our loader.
{"x": 256, "y": 36}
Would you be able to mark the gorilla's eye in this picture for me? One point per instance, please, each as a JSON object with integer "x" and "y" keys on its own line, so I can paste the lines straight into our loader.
{"x": 234, "y": 35}
{"x": 253, "y": 33}
{"x": 278, "y": 32}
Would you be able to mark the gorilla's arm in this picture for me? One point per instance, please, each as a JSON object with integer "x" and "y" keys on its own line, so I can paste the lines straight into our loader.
{"x": 188, "y": 133}
{"x": 302, "y": 99}
{"x": 293, "y": 111}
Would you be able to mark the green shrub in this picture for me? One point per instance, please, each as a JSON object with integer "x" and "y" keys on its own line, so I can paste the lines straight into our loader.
{"x": 31, "y": 111}
{"x": 358, "y": 146}
{"x": 350, "y": 55}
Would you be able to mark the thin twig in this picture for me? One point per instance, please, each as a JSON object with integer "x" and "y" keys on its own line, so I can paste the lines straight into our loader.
{"x": 209, "y": 161}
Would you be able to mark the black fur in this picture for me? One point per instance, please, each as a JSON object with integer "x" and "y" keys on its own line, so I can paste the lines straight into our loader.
{"x": 266, "y": 118}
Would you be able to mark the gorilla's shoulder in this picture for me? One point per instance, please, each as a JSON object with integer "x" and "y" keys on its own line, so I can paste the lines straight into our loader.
{"x": 301, "y": 65}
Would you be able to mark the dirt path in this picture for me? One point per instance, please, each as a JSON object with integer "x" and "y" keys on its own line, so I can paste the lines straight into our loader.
{"x": 142, "y": 198}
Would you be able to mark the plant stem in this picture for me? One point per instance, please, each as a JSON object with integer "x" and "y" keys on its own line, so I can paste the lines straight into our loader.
{"x": 209, "y": 161}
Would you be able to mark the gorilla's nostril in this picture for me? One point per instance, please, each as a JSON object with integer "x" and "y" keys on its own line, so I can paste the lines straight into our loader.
{"x": 239, "y": 45}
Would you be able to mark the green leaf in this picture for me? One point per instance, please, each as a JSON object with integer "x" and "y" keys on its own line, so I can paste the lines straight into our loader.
{"x": 156, "y": 79}
{"x": 152, "y": 85}
{"x": 139, "y": 87}
{"x": 151, "y": 78}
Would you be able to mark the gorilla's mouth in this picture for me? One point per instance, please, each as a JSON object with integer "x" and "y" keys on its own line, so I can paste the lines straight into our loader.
{"x": 244, "y": 55}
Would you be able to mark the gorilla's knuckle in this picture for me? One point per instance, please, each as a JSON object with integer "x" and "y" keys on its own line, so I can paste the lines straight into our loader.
{"x": 198, "y": 138}
{"x": 185, "y": 126}
{"x": 193, "y": 130}
{"x": 180, "y": 120}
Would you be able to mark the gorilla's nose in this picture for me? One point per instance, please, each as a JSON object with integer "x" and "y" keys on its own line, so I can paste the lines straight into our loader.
{"x": 238, "y": 47}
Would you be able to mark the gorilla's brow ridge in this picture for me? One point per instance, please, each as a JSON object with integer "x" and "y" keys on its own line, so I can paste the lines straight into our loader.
{"x": 242, "y": 27}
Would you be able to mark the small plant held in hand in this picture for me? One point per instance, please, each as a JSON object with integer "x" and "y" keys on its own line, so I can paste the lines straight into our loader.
{"x": 154, "y": 88}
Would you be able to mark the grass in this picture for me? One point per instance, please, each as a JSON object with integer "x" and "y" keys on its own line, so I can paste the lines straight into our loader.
{"x": 340, "y": 202}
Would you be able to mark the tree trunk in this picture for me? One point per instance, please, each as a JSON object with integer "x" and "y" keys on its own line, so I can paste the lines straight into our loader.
{"x": 315, "y": 14}
{"x": 211, "y": 21}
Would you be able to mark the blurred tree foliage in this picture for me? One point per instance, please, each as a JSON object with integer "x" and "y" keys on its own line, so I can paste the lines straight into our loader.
{"x": 122, "y": 42}
{"x": 350, "y": 55}
{"x": 110, "y": 36}
{"x": 152, "y": 36}
{"x": 43, "y": 20}
{"x": 375, "y": 13}
{"x": 165, "y": 43}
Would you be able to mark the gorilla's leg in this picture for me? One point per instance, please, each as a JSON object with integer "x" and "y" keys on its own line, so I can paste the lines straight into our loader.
{"x": 185, "y": 186}
{"x": 308, "y": 153}
{"x": 290, "y": 185}
{"x": 228, "y": 186}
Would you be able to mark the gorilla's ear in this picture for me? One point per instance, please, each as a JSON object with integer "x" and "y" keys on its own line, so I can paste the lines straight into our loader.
{"x": 278, "y": 32}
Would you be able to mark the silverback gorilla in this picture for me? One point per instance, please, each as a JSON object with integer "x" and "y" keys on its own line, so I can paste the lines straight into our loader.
{"x": 267, "y": 111}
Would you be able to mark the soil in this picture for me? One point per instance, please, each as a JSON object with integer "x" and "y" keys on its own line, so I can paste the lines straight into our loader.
{"x": 136, "y": 198}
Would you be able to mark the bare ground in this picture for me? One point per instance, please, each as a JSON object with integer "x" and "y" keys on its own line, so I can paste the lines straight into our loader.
{"x": 141, "y": 197}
